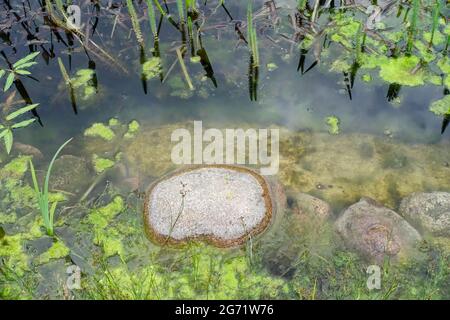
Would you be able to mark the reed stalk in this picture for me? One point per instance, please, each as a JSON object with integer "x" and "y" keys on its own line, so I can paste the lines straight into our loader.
{"x": 135, "y": 23}
{"x": 152, "y": 19}
{"x": 413, "y": 26}
{"x": 435, "y": 22}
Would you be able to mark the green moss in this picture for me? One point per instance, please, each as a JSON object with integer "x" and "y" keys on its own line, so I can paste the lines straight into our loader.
{"x": 83, "y": 81}
{"x": 56, "y": 197}
{"x": 438, "y": 37}
{"x": 11, "y": 250}
{"x": 108, "y": 238}
{"x": 7, "y": 217}
{"x": 333, "y": 123}
{"x": 101, "y": 217}
{"x": 366, "y": 77}
{"x": 16, "y": 168}
{"x": 19, "y": 195}
{"x": 110, "y": 243}
{"x": 101, "y": 131}
{"x": 340, "y": 66}
{"x": 101, "y": 164}
{"x": 441, "y": 107}
{"x": 58, "y": 250}
{"x": 113, "y": 122}
{"x": 151, "y": 68}
{"x": 133, "y": 128}
{"x": 425, "y": 52}
{"x": 399, "y": 70}
{"x": 444, "y": 64}
{"x": 271, "y": 66}
{"x": 82, "y": 78}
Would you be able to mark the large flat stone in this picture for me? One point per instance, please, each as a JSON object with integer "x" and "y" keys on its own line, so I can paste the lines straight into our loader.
{"x": 223, "y": 205}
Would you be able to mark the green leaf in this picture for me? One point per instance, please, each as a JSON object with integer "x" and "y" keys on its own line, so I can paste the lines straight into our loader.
{"x": 23, "y": 72}
{"x": 29, "y": 57}
{"x": 21, "y": 111}
{"x": 8, "y": 138}
{"x": 2, "y": 73}
{"x": 22, "y": 124}
{"x": 26, "y": 65}
{"x": 9, "y": 81}
{"x": 33, "y": 176}
{"x": 52, "y": 212}
{"x": 3, "y": 133}
{"x": 49, "y": 170}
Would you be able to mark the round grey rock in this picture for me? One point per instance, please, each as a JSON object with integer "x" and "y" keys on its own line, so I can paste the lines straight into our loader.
{"x": 223, "y": 205}
{"x": 430, "y": 212}
{"x": 304, "y": 204}
{"x": 376, "y": 232}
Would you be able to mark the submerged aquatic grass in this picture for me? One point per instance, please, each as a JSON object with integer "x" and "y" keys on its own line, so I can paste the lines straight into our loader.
{"x": 254, "y": 54}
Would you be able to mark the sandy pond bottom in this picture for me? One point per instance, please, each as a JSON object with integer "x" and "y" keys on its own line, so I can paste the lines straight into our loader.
{"x": 297, "y": 257}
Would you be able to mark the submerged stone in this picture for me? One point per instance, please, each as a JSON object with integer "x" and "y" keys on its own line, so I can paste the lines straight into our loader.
{"x": 376, "y": 232}
{"x": 303, "y": 204}
{"x": 70, "y": 174}
{"x": 223, "y": 205}
{"x": 428, "y": 211}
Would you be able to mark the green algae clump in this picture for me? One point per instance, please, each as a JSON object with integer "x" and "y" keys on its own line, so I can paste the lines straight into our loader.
{"x": 16, "y": 168}
{"x": 99, "y": 130}
{"x": 105, "y": 236}
{"x": 151, "y": 68}
{"x": 441, "y": 107}
{"x": 333, "y": 123}
{"x": 400, "y": 71}
{"x": 101, "y": 164}
{"x": 133, "y": 128}
{"x": 58, "y": 250}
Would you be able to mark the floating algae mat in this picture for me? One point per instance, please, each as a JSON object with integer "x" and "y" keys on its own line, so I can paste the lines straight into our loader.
{"x": 224, "y": 149}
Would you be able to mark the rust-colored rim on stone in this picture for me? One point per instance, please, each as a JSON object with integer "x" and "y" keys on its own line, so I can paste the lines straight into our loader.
{"x": 160, "y": 239}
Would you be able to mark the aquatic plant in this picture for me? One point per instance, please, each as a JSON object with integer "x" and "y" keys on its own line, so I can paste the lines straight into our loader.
{"x": 301, "y": 4}
{"x": 254, "y": 54}
{"x": 183, "y": 67}
{"x": 412, "y": 30}
{"x": 18, "y": 68}
{"x": 135, "y": 23}
{"x": 435, "y": 21}
{"x": 180, "y": 7}
{"x": 6, "y": 129}
{"x": 165, "y": 14}
{"x": 152, "y": 19}
{"x": 42, "y": 194}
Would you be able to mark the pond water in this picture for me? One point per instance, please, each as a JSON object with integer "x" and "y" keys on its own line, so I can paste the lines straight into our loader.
{"x": 381, "y": 141}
